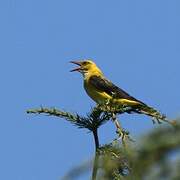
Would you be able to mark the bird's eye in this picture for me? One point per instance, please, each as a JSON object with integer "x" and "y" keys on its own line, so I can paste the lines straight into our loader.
{"x": 85, "y": 63}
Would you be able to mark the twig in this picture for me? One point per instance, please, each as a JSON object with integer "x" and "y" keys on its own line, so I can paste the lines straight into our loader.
{"x": 49, "y": 111}
{"x": 96, "y": 159}
{"x": 96, "y": 139}
{"x": 123, "y": 134}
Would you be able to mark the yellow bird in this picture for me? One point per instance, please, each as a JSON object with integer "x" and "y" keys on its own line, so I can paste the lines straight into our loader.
{"x": 102, "y": 91}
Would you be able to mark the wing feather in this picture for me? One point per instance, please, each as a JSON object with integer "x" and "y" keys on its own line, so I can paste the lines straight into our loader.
{"x": 107, "y": 86}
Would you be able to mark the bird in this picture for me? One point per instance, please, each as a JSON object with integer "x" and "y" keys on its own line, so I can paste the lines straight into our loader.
{"x": 103, "y": 91}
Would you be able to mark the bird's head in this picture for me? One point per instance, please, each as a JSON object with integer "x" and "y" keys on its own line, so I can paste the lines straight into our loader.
{"x": 85, "y": 67}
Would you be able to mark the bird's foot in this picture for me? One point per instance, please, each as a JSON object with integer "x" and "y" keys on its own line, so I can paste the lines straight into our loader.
{"x": 107, "y": 102}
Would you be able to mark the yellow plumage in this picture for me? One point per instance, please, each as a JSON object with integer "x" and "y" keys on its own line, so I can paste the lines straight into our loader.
{"x": 90, "y": 69}
{"x": 101, "y": 90}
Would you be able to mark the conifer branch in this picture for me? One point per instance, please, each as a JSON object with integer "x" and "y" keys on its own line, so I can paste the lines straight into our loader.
{"x": 92, "y": 122}
{"x": 96, "y": 139}
{"x": 95, "y": 166}
{"x": 148, "y": 160}
{"x": 54, "y": 112}
{"x": 116, "y": 162}
{"x": 96, "y": 158}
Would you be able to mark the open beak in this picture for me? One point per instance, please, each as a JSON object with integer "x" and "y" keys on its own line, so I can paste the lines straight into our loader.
{"x": 77, "y": 63}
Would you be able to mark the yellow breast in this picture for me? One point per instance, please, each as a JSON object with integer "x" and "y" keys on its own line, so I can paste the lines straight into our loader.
{"x": 98, "y": 96}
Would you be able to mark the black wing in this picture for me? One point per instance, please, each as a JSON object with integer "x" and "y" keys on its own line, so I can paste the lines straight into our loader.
{"x": 103, "y": 84}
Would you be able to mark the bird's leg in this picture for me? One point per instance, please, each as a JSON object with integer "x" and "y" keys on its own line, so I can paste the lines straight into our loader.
{"x": 107, "y": 102}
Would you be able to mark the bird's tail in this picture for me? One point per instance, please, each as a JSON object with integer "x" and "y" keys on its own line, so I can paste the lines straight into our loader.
{"x": 156, "y": 115}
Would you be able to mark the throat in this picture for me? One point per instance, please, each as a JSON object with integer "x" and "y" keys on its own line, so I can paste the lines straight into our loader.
{"x": 88, "y": 74}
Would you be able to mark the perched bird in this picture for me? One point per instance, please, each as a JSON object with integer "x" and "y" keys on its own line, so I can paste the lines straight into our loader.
{"x": 102, "y": 91}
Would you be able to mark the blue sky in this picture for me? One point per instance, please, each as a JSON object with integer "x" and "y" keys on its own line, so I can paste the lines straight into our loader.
{"x": 137, "y": 45}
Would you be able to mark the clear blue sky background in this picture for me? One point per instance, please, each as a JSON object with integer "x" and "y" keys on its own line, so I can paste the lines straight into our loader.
{"x": 136, "y": 43}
